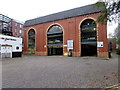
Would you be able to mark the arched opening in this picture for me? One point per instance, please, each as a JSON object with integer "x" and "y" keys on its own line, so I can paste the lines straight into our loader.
{"x": 88, "y": 38}
{"x": 55, "y": 40}
{"x": 31, "y": 41}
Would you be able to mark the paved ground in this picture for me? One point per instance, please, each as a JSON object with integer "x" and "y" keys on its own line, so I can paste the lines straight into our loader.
{"x": 59, "y": 72}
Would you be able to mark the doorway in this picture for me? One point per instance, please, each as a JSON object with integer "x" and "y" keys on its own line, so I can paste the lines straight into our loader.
{"x": 88, "y": 38}
{"x": 55, "y": 51}
{"x": 55, "y": 40}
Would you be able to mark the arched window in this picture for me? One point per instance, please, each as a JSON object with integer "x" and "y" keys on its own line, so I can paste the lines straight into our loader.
{"x": 55, "y": 40}
{"x": 31, "y": 41}
{"x": 88, "y": 38}
{"x": 55, "y": 29}
{"x": 55, "y": 35}
{"x": 88, "y": 31}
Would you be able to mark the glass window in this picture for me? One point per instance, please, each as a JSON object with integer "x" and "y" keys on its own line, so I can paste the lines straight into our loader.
{"x": 31, "y": 37}
{"x": 16, "y": 24}
{"x": 20, "y": 31}
{"x": 21, "y": 26}
{"x": 55, "y": 35}
{"x": 88, "y": 30}
{"x": 0, "y": 17}
{"x": 15, "y": 30}
{"x": 55, "y": 29}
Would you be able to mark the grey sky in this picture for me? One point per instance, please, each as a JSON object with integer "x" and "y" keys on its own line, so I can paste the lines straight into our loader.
{"x": 23, "y": 10}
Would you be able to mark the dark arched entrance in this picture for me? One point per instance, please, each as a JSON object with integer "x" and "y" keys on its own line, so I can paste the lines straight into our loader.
{"x": 31, "y": 41}
{"x": 88, "y": 38}
{"x": 55, "y": 40}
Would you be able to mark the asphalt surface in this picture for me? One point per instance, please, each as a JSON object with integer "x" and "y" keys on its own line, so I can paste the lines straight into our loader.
{"x": 32, "y": 71}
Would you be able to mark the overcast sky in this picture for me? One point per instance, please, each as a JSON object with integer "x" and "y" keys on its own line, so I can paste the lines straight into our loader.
{"x": 23, "y": 10}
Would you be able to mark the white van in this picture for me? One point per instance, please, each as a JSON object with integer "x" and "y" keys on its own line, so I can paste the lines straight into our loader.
{"x": 10, "y": 46}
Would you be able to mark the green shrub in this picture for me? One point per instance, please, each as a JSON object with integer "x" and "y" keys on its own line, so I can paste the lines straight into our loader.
{"x": 31, "y": 50}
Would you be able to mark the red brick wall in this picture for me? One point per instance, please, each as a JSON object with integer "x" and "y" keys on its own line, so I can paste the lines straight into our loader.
{"x": 16, "y": 29}
{"x": 71, "y": 31}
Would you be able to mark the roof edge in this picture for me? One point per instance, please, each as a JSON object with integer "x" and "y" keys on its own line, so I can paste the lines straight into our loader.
{"x": 62, "y": 15}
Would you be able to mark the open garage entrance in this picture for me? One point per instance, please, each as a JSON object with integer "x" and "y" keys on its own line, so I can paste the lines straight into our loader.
{"x": 55, "y": 40}
{"x": 31, "y": 41}
{"x": 88, "y": 38}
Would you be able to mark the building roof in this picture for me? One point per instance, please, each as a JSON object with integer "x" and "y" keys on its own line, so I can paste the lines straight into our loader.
{"x": 65, "y": 14}
{"x": 8, "y": 19}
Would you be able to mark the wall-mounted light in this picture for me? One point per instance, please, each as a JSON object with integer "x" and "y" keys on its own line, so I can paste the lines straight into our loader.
{"x": 45, "y": 46}
{"x": 94, "y": 29}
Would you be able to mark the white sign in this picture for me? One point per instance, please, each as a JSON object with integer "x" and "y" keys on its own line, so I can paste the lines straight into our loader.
{"x": 100, "y": 44}
{"x": 65, "y": 45}
{"x": 14, "y": 41}
{"x": 70, "y": 44}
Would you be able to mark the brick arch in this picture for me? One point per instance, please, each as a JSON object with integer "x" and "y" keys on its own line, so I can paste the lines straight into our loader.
{"x": 53, "y": 25}
{"x": 83, "y": 21}
{"x": 47, "y": 37}
{"x": 88, "y": 18}
{"x": 28, "y": 37}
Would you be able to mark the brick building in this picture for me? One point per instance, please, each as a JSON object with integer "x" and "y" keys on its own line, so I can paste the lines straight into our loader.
{"x": 11, "y": 27}
{"x": 73, "y": 30}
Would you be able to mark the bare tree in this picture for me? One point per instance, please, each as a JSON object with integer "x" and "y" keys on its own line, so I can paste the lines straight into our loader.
{"x": 110, "y": 12}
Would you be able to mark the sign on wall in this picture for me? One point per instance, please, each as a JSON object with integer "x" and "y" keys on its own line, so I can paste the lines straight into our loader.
{"x": 100, "y": 44}
{"x": 70, "y": 44}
